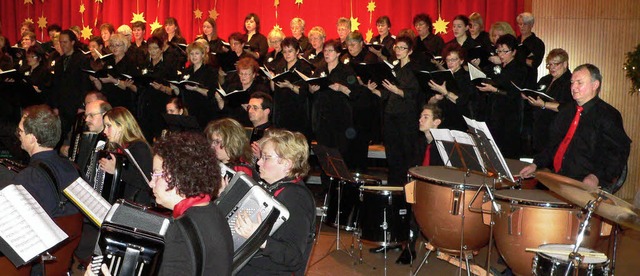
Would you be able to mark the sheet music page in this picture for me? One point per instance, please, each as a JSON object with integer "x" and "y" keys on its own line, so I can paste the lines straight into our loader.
{"x": 495, "y": 158}
{"x": 475, "y": 73}
{"x": 90, "y": 202}
{"x": 470, "y": 148}
{"x": 440, "y": 136}
{"x": 24, "y": 225}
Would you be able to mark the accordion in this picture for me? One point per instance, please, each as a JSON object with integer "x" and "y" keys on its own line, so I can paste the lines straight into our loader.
{"x": 131, "y": 240}
{"x": 90, "y": 150}
{"x": 244, "y": 194}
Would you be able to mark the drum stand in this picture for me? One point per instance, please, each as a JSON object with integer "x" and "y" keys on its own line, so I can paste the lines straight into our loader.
{"x": 45, "y": 257}
{"x": 574, "y": 257}
{"x": 495, "y": 208}
{"x": 337, "y": 240}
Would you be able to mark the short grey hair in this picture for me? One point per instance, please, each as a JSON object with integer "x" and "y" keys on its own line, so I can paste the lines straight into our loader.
{"x": 527, "y": 18}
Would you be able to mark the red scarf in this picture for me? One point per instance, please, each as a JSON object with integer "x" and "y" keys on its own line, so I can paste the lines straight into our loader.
{"x": 186, "y": 203}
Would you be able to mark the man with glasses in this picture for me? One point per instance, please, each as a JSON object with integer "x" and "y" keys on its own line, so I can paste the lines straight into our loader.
{"x": 259, "y": 110}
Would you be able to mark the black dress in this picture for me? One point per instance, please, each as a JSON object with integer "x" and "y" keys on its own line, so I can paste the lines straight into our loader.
{"x": 204, "y": 108}
{"x": 116, "y": 96}
{"x": 258, "y": 43}
{"x": 152, "y": 103}
{"x": 136, "y": 188}
{"x": 560, "y": 90}
{"x": 291, "y": 110}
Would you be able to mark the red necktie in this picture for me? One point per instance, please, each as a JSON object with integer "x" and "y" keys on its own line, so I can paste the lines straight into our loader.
{"x": 557, "y": 159}
{"x": 427, "y": 156}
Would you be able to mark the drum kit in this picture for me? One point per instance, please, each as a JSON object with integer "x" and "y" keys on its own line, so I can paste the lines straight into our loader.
{"x": 536, "y": 232}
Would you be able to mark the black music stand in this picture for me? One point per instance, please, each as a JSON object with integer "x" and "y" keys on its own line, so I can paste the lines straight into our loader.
{"x": 333, "y": 165}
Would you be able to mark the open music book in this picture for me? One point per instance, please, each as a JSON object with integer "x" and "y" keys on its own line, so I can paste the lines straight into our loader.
{"x": 26, "y": 230}
{"x": 491, "y": 155}
{"x": 478, "y": 77}
{"x": 88, "y": 200}
{"x": 534, "y": 94}
{"x": 458, "y": 149}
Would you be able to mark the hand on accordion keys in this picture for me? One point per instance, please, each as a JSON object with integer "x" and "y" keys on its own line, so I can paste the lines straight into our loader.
{"x": 245, "y": 226}
{"x": 93, "y": 271}
{"x": 108, "y": 164}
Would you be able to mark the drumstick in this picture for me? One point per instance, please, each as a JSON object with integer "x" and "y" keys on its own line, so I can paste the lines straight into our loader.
{"x": 596, "y": 255}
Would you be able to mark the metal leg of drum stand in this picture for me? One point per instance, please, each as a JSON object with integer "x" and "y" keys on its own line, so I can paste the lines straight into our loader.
{"x": 338, "y": 241}
{"x": 574, "y": 257}
{"x": 494, "y": 207}
{"x": 323, "y": 217}
{"x": 424, "y": 261}
{"x": 385, "y": 238}
{"x": 616, "y": 231}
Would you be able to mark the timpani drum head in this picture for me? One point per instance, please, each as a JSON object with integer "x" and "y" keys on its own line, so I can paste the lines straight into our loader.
{"x": 447, "y": 176}
{"x": 540, "y": 198}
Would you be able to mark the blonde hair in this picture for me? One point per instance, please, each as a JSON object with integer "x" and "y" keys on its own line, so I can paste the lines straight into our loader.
{"x": 317, "y": 30}
{"x": 234, "y": 139}
{"x": 120, "y": 38}
{"x": 291, "y": 146}
{"x": 199, "y": 47}
{"x": 130, "y": 129}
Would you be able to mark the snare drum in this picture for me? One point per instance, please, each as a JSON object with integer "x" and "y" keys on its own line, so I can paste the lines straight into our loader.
{"x": 349, "y": 203}
{"x": 441, "y": 196}
{"x": 551, "y": 264}
{"x": 529, "y": 218}
{"x": 379, "y": 204}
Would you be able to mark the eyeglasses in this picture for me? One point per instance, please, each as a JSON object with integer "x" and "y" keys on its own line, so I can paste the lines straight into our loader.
{"x": 216, "y": 142}
{"x": 254, "y": 107}
{"x": 91, "y": 115}
{"x": 116, "y": 45}
{"x": 403, "y": 48}
{"x": 553, "y": 64}
{"x": 502, "y": 51}
{"x": 156, "y": 175}
{"x": 266, "y": 157}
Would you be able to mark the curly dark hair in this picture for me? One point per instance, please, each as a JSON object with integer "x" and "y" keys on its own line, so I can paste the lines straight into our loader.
{"x": 189, "y": 163}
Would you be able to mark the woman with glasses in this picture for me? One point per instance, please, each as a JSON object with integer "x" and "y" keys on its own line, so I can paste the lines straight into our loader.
{"x": 503, "y": 102}
{"x": 247, "y": 82}
{"x": 314, "y": 55}
{"x": 123, "y": 133}
{"x": 455, "y": 99}
{"x": 188, "y": 189}
{"x": 283, "y": 164}
{"x": 331, "y": 114}
{"x": 291, "y": 100}
{"x": 231, "y": 144}
{"x": 119, "y": 89}
{"x": 400, "y": 112}
{"x": 557, "y": 85}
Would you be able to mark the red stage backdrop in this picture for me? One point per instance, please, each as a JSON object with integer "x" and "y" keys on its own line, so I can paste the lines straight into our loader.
{"x": 229, "y": 14}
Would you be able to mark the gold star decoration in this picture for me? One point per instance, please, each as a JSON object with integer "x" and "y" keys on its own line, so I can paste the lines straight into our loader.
{"x": 354, "y": 24}
{"x": 86, "y": 32}
{"x": 277, "y": 27}
{"x": 298, "y": 2}
{"x": 42, "y": 22}
{"x": 98, "y": 1}
{"x": 198, "y": 13}
{"x": 138, "y": 17}
{"x": 28, "y": 2}
{"x": 369, "y": 35}
{"x": 155, "y": 25}
{"x": 371, "y": 6}
{"x": 440, "y": 26}
{"x": 214, "y": 14}
{"x": 28, "y": 20}
{"x": 276, "y": 3}
{"x": 82, "y": 9}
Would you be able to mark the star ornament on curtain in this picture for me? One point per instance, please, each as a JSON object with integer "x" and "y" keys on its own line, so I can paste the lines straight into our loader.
{"x": 98, "y": 1}
{"x": 299, "y": 2}
{"x": 369, "y": 35}
{"x": 440, "y": 26}
{"x": 155, "y": 25}
{"x": 197, "y": 13}
{"x": 42, "y": 22}
{"x": 138, "y": 17}
{"x": 82, "y": 9}
{"x": 354, "y": 24}
{"x": 86, "y": 32}
{"x": 28, "y": 2}
{"x": 28, "y": 20}
{"x": 277, "y": 27}
{"x": 214, "y": 14}
{"x": 371, "y": 7}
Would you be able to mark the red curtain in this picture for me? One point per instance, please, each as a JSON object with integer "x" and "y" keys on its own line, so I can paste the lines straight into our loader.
{"x": 232, "y": 12}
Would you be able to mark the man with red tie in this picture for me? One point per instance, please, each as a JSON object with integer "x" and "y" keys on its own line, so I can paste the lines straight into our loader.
{"x": 587, "y": 141}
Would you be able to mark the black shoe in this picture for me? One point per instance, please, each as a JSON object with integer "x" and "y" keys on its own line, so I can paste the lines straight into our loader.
{"x": 406, "y": 257}
{"x": 381, "y": 249}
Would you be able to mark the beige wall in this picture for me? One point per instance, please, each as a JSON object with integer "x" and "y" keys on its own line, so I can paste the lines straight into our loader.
{"x": 598, "y": 32}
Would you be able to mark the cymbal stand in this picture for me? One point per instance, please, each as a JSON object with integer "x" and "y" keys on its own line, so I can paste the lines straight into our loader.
{"x": 337, "y": 240}
{"x": 495, "y": 208}
{"x": 385, "y": 239}
{"x": 574, "y": 257}
{"x": 616, "y": 232}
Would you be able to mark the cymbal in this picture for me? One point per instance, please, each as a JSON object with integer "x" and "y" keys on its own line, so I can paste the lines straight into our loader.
{"x": 612, "y": 207}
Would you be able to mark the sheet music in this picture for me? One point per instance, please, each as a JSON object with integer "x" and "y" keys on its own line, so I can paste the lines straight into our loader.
{"x": 90, "y": 202}
{"x": 25, "y": 225}
{"x": 475, "y": 73}
{"x": 445, "y": 140}
{"x": 492, "y": 156}
{"x": 440, "y": 136}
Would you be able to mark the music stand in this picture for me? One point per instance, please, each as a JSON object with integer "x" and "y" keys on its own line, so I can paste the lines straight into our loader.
{"x": 178, "y": 123}
{"x": 333, "y": 166}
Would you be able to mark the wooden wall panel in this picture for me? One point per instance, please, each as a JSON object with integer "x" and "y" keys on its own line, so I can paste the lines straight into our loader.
{"x": 599, "y": 32}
